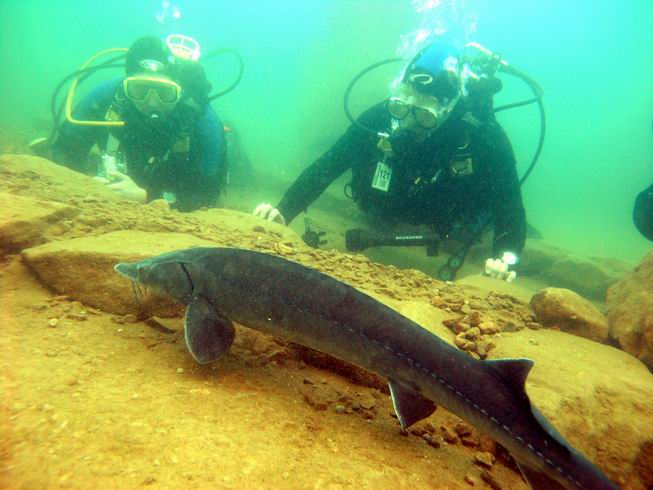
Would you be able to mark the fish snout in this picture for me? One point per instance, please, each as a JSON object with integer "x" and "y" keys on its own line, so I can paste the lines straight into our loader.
{"x": 125, "y": 269}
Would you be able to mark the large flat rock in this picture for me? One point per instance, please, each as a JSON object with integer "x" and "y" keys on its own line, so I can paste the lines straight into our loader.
{"x": 588, "y": 276}
{"x": 24, "y": 222}
{"x": 82, "y": 268}
{"x": 597, "y": 396}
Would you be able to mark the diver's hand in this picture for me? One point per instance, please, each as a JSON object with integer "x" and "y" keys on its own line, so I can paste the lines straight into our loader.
{"x": 269, "y": 213}
{"x": 125, "y": 187}
{"x": 499, "y": 269}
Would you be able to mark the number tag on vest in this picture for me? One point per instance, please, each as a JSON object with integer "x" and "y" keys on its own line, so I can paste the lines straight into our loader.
{"x": 382, "y": 177}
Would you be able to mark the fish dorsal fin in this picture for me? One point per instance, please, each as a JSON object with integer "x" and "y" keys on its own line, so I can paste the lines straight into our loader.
{"x": 410, "y": 406}
{"x": 512, "y": 371}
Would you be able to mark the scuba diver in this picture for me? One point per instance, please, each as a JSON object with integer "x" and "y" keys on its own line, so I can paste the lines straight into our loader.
{"x": 159, "y": 136}
{"x": 643, "y": 212}
{"x": 441, "y": 159}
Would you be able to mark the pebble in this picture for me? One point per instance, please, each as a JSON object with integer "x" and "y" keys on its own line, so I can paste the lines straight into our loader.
{"x": 284, "y": 249}
{"x": 368, "y": 415}
{"x": 484, "y": 459}
{"x": 433, "y": 442}
{"x": 472, "y": 333}
{"x": 418, "y": 431}
{"x": 477, "y": 305}
{"x": 448, "y": 434}
{"x": 53, "y": 322}
{"x": 340, "y": 408}
{"x": 490, "y": 480}
{"x": 180, "y": 370}
{"x": 473, "y": 481}
{"x": 438, "y": 302}
{"x": 462, "y": 343}
{"x": 367, "y": 404}
{"x": 61, "y": 297}
{"x": 488, "y": 327}
{"x": 77, "y": 316}
{"x": 129, "y": 318}
{"x": 463, "y": 429}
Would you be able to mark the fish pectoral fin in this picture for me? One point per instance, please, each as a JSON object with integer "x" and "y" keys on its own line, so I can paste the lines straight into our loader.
{"x": 409, "y": 405}
{"x": 208, "y": 334}
{"x": 539, "y": 480}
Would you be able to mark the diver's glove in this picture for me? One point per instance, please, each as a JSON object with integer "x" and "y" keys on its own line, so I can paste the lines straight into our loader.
{"x": 269, "y": 213}
{"x": 124, "y": 186}
{"x": 500, "y": 268}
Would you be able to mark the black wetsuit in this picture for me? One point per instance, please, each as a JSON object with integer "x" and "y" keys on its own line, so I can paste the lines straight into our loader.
{"x": 181, "y": 157}
{"x": 424, "y": 189}
{"x": 643, "y": 213}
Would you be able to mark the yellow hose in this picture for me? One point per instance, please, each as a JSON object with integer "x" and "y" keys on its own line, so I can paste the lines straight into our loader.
{"x": 73, "y": 88}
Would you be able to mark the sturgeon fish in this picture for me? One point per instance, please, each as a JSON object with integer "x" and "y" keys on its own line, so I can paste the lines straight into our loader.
{"x": 288, "y": 300}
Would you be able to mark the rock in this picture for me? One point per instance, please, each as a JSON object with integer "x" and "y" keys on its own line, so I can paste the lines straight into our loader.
{"x": 570, "y": 312}
{"x": 630, "y": 312}
{"x": 82, "y": 268}
{"x": 597, "y": 397}
{"x": 24, "y": 221}
{"x": 484, "y": 459}
{"x": 160, "y": 205}
{"x": 590, "y": 277}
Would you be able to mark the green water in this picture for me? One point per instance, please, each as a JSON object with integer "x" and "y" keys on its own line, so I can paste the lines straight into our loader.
{"x": 593, "y": 58}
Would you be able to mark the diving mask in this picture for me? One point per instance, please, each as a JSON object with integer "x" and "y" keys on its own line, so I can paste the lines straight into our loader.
{"x": 152, "y": 94}
{"x": 427, "y": 111}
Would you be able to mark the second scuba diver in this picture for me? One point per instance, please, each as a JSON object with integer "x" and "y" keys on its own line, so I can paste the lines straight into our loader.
{"x": 159, "y": 136}
{"x": 444, "y": 160}
{"x": 643, "y": 212}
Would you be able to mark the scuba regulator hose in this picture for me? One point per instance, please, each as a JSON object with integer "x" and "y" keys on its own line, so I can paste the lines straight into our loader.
{"x": 81, "y": 74}
{"x": 351, "y": 86}
{"x": 241, "y": 69}
{"x": 536, "y": 88}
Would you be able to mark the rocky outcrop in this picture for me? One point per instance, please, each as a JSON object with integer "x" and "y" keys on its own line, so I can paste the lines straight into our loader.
{"x": 590, "y": 277}
{"x": 597, "y": 396}
{"x": 630, "y": 312}
{"x": 570, "y": 312}
{"x": 544, "y": 261}
{"x": 82, "y": 268}
{"x": 24, "y": 222}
